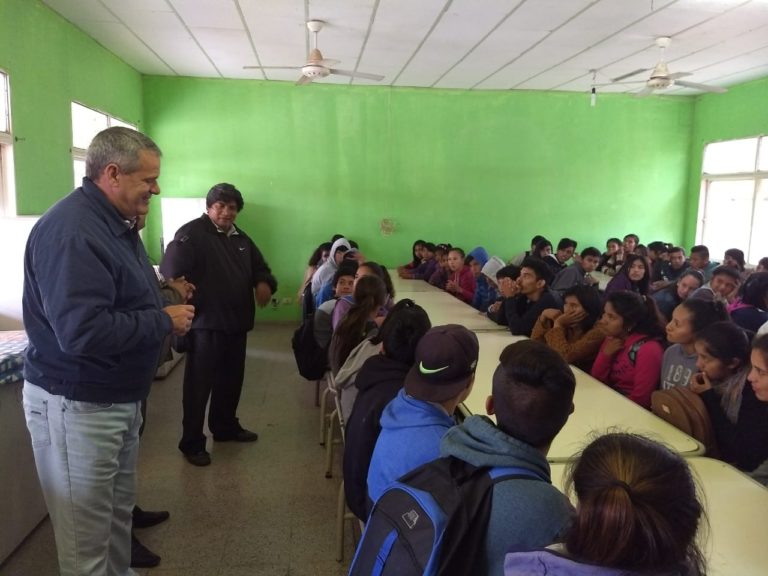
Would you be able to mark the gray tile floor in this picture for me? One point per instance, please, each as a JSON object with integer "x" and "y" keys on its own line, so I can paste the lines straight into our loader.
{"x": 259, "y": 509}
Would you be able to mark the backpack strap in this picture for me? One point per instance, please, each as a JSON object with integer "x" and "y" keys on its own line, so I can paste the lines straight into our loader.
{"x": 635, "y": 348}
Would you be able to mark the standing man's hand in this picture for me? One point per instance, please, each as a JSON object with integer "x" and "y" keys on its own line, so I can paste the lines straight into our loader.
{"x": 185, "y": 289}
{"x": 181, "y": 316}
{"x": 263, "y": 294}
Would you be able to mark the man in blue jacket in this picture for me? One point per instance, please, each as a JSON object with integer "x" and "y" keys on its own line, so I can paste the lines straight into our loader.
{"x": 96, "y": 324}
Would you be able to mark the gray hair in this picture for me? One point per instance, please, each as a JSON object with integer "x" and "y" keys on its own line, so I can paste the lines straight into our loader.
{"x": 117, "y": 145}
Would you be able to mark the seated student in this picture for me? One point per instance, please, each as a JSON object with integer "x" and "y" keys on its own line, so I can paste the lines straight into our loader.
{"x": 427, "y": 267}
{"x": 379, "y": 380}
{"x": 343, "y": 285}
{"x": 490, "y": 269}
{"x": 440, "y": 276}
{"x": 758, "y": 379}
{"x": 484, "y": 294}
{"x": 417, "y": 251}
{"x": 532, "y": 398}
{"x": 667, "y": 299}
{"x": 346, "y": 302}
{"x": 634, "y": 276}
{"x": 326, "y": 271}
{"x": 751, "y": 310}
{"x": 577, "y": 274}
{"x": 688, "y": 319}
{"x": 659, "y": 256}
{"x": 542, "y": 250}
{"x": 762, "y": 265}
{"x": 328, "y": 290}
{"x": 319, "y": 256}
{"x": 613, "y": 257}
{"x": 630, "y": 243}
{"x": 414, "y": 422}
{"x": 734, "y": 258}
{"x": 723, "y": 285}
{"x": 672, "y": 270}
{"x": 739, "y": 418}
{"x": 359, "y": 322}
{"x": 700, "y": 261}
{"x": 534, "y": 296}
{"x": 630, "y": 357}
{"x": 558, "y": 261}
{"x": 506, "y": 280}
{"x": 573, "y": 333}
{"x": 461, "y": 282}
{"x": 517, "y": 260}
{"x": 638, "y": 513}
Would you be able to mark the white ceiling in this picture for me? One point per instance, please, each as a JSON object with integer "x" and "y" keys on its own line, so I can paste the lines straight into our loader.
{"x": 466, "y": 44}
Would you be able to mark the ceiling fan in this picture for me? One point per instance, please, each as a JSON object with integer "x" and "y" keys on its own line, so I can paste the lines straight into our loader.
{"x": 317, "y": 66}
{"x": 661, "y": 78}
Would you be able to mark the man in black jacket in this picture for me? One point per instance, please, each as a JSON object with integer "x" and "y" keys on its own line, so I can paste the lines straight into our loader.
{"x": 228, "y": 272}
{"x": 523, "y": 310}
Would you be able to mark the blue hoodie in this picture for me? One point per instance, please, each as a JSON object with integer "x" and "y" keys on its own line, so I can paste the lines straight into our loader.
{"x": 410, "y": 436}
{"x": 484, "y": 294}
{"x": 525, "y": 513}
{"x": 549, "y": 562}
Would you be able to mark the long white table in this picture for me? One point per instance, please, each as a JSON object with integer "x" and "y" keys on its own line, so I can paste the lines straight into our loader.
{"x": 737, "y": 507}
{"x": 443, "y": 308}
{"x": 598, "y": 408}
{"x": 403, "y": 285}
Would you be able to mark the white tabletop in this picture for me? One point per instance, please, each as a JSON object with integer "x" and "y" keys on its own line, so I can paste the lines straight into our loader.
{"x": 443, "y": 308}
{"x": 737, "y": 508}
{"x": 601, "y": 278}
{"x": 403, "y": 285}
{"x": 598, "y": 408}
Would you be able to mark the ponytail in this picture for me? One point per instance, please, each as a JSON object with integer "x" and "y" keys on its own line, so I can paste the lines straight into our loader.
{"x": 370, "y": 294}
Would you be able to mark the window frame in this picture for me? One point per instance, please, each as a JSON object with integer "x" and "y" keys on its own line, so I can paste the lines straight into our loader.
{"x": 7, "y": 175}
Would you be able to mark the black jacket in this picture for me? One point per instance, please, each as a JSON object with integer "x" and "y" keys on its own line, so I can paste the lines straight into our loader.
{"x": 378, "y": 382}
{"x": 224, "y": 269}
{"x": 522, "y": 314}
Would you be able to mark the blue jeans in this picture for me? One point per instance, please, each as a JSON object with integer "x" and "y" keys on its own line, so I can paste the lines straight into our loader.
{"x": 86, "y": 455}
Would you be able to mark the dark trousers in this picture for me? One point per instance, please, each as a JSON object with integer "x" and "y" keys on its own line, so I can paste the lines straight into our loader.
{"x": 215, "y": 368}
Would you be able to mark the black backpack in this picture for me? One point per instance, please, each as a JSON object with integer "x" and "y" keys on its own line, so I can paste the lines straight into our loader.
{"x": 432, "y": 521}
{"x": 311, "y": 358}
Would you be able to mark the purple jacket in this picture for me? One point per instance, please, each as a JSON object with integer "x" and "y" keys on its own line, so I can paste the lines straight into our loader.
{"x": 549, "y": 562}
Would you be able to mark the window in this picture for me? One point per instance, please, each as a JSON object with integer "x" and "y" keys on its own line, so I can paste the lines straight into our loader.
{"x": 7, "y": 188}
{"x": 733, "y": 205}
{"x": 86, "y": 123}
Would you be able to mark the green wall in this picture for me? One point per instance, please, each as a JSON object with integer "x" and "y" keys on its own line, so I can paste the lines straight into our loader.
{"x": 466, "y": 167}
{"x": 51, "y": 63}
{"x": 740, "y": 113}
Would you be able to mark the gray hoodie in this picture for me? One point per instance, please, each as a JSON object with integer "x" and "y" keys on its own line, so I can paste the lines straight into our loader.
{"x": 526, "y": 513}
{"x": 326, "y": 271}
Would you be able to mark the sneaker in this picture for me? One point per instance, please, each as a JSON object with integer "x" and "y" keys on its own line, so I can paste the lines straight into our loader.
{"x": 241, "y": 435}
{"x": 202, "y": 458}
{"x": 147, "y": 518}
{"x": 141, "y": 556}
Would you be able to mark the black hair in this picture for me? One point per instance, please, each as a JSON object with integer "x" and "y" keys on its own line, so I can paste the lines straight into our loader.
{"x": 705, "y": 312}
{"x": 613, "y": 241}
{"x": 370, "y": 294}
{"x": 536, "y": 239}
{"x": 737, "y": 255}
{"x": 763, "y": 262}
{"x": 336, "y": 237}
{"x": 639, "y": 313}
{"x": 644, "y": 284}
{"x": 726, "y": 341}
{"x": 591, "y": 251}
{"x": 754, "y": 292}
{"x": 658, "y": 246}
{"x": 459, "y": 250}
{"x": 634, "y": 236}
{"x": 541, "y": 245}
{"x": 532, "y": 392}
{"x": 539, "y": 267}
{"x": 444, "y": 246}
{"x": 676, "y": 249}
{"x": 509, "y": 271}
{"x": 700, "y": 249}
{"x": 317, "y": 255}
{"x": 429, "y": 246}
{"x": 589, "y": 298}
{"x": 401, "y": 331}
{"x": 346, "y": 268}
{"x": 566, "y": 243}
{"x": 226, "y": 193}
{"x": 382, "y": 273}
{"x": 353, "y": 244}
{"x": 732, "y": 273}
{"x": 416, "y": 260}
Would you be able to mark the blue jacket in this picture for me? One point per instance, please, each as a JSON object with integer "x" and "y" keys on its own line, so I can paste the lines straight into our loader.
{"x": 410, "y": 436}
{"x": 525, "y": 513}
{"x": 92, "y": 304}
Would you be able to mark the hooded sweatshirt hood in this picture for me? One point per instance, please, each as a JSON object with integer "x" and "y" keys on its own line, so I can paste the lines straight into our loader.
{"x": 480, "y": 254}
{"x": 325, "y": 273}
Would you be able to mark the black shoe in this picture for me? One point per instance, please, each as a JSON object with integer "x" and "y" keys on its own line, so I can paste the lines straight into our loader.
{"x": 241, "y": 435}
{"x": 202, "y": 458}
{"x": 141, "y": 556}
{"x": 147, "y": 518}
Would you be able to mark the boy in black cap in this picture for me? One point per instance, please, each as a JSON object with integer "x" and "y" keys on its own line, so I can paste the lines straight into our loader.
{"x": 415, "y": 421}
{"x": 532, "y": 398}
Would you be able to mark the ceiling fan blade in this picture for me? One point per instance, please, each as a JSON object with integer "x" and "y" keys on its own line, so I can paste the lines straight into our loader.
{"x": 303, "y": 80}
{"x": 702, "y": 87}
{"x": 352, "y": 74}
{"x": 638, "y": 71}
{"x": 676, "y": 75}
{"x": 644, "y": 92}
{"x": 272, "y": 67}
{"x": 619, "y": 83}
{"x": 327, "y": 62}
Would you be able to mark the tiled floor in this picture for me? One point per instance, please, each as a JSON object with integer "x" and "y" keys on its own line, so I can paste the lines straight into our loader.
{"x": 260, "y": 509}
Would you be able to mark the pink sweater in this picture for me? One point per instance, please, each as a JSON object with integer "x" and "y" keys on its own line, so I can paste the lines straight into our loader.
{"x": 637, "y": 380}
{"x": 466, "y": 282}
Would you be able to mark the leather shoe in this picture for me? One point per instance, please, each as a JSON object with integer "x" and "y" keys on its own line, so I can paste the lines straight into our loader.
{"x": 147, "y": 518}
{"x": 202, "y": 458}
{"x": 241, "y": 435}
{"x": 141, "y": 556}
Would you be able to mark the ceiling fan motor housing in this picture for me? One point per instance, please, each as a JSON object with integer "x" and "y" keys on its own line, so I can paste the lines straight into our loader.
{"x": 315, "y": 71}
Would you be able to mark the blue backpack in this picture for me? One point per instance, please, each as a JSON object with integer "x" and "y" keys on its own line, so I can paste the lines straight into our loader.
{"x": 432, "y": 521}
